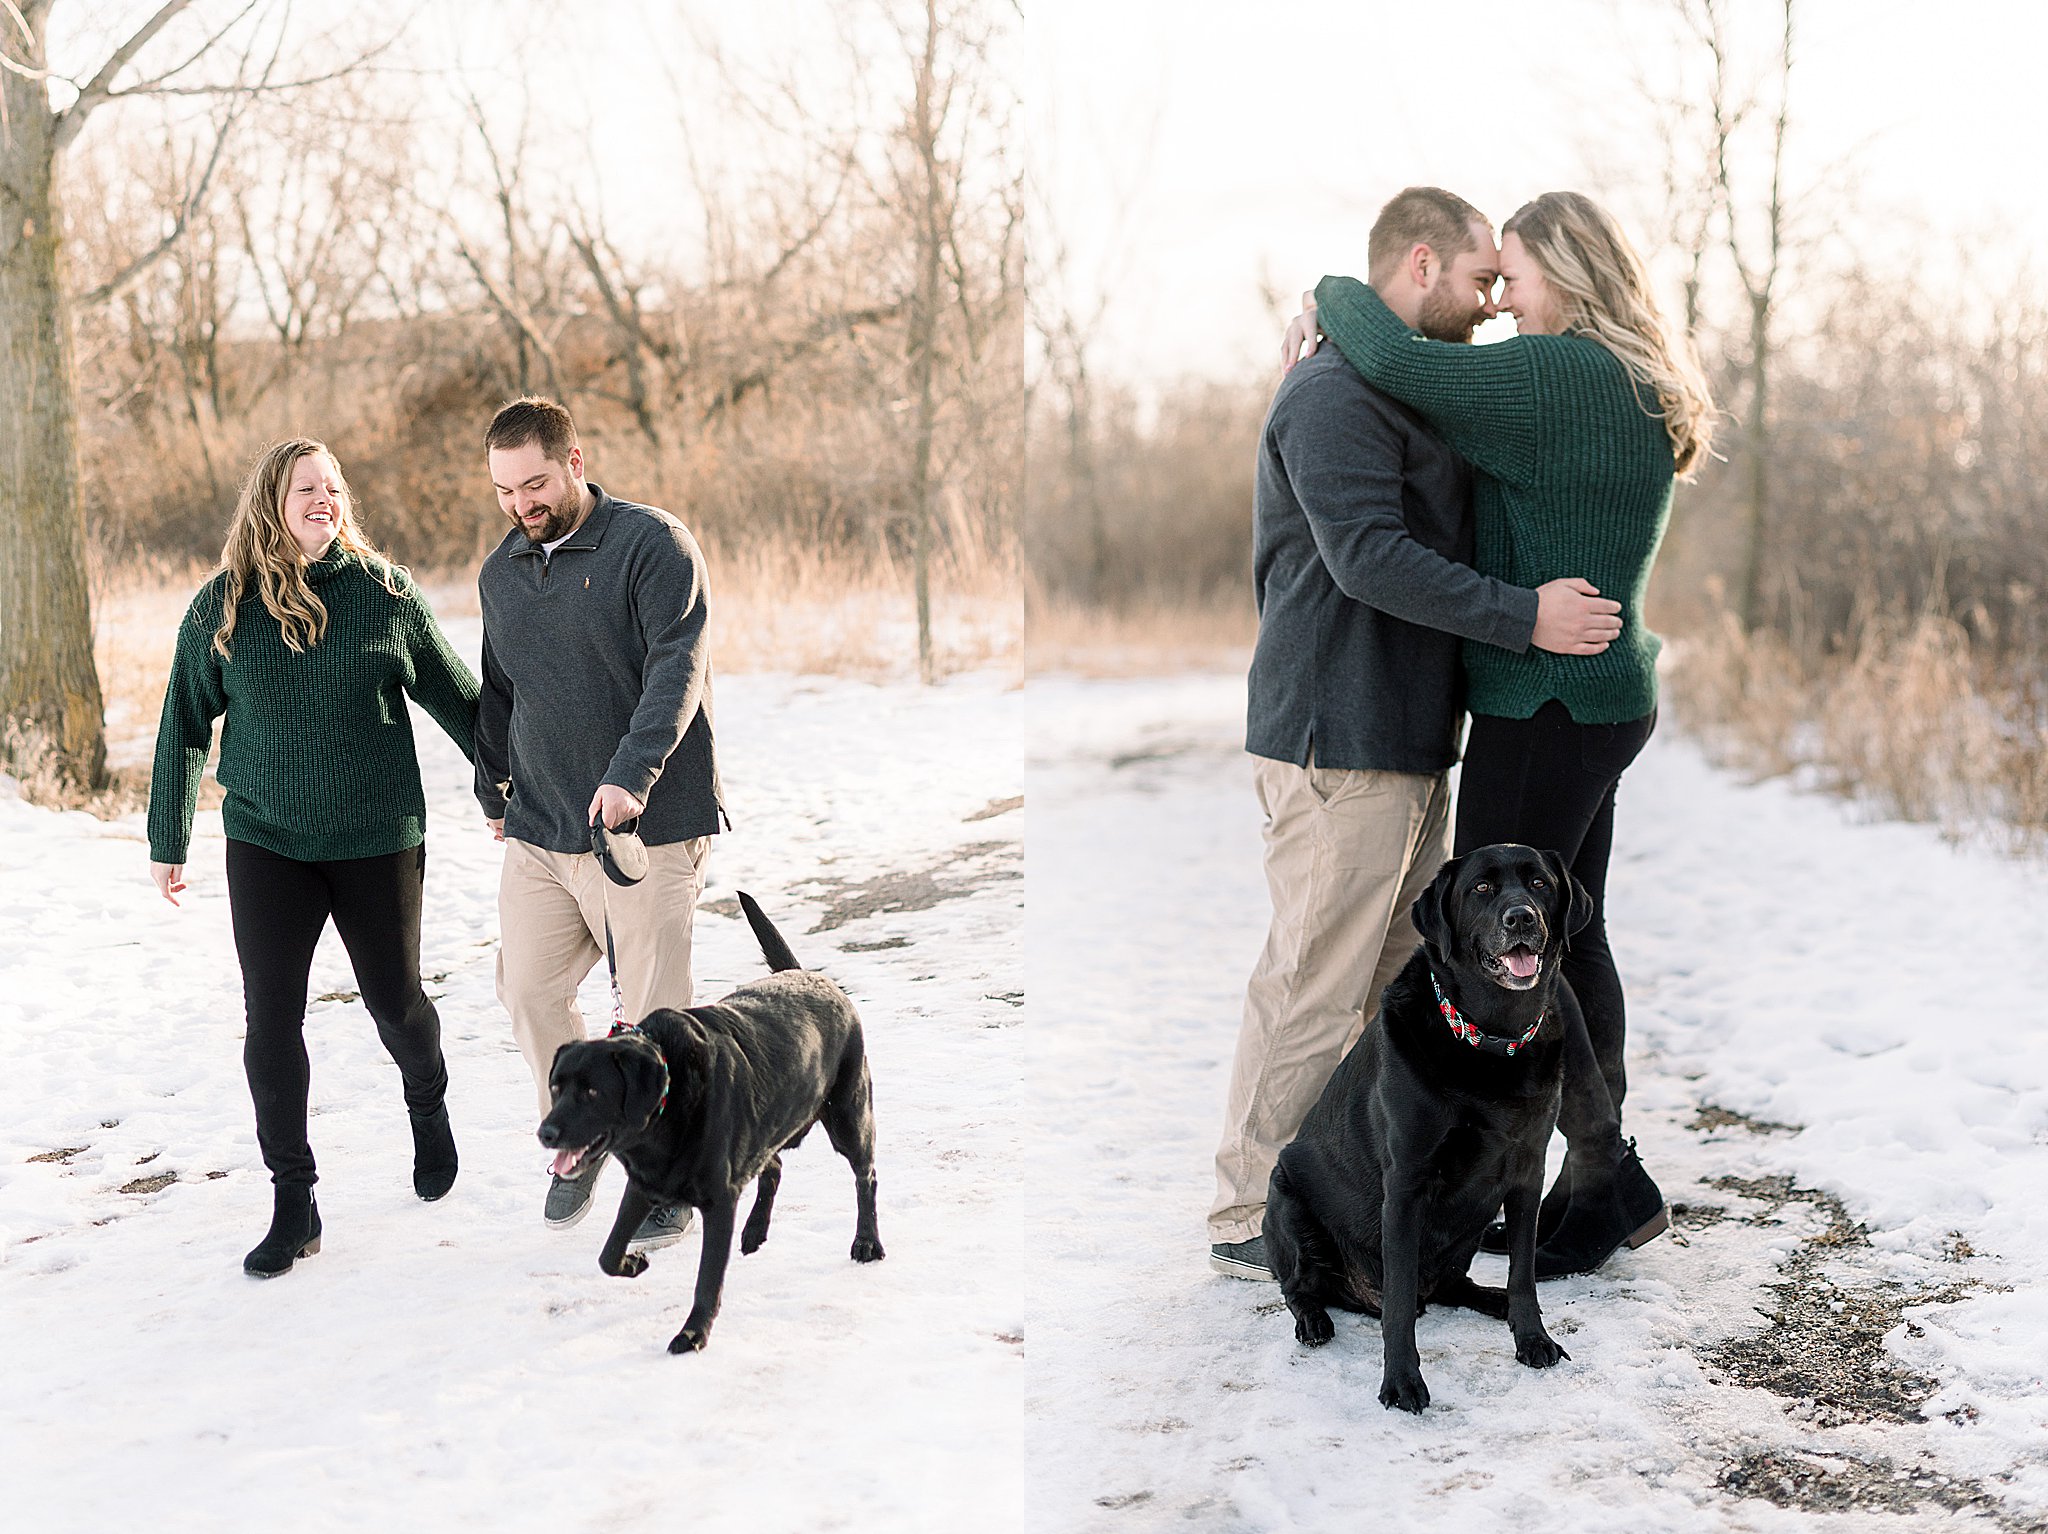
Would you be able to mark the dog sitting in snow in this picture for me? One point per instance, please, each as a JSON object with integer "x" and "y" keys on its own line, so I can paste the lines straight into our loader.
{"x": 697, "y": 1104}
{"x": 1439, "y": 1113}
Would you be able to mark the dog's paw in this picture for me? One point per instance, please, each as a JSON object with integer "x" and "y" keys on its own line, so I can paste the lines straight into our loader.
{"x": 867, "y": 1249}
{"x": 751, "y": 1241}
{"x": 1313, "y": 1326}
{"x": 1538, "y": 1352}
{"x": 690, "y": 1340}
{"x": 632, "y": 1265}
{"x": 1404, "y": 1388}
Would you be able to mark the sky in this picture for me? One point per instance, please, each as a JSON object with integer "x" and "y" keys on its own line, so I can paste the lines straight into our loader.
{"x": 1191, "y": 156}
{"x": 1190, "y": 153}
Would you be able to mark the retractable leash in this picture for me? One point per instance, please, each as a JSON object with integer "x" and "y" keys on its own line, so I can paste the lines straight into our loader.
{"x": 611, "y": 959}
{"x": 623, "y": 857}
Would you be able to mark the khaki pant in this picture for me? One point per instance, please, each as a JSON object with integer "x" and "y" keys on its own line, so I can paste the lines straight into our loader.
{"x": 551, "y": 916}
{"x": 1346, "y": 854}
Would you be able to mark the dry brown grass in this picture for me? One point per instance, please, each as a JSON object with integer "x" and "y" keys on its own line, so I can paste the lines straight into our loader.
{"x": 1911, "y": 719}
{"x": 774, "y": 608}
{"x": 1140, "y": 638}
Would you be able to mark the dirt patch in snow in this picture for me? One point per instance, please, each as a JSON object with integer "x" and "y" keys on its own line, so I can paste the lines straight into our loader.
{"x": 1711, "y": 1117}
{"x": 964, "y": 871}
{"x": 1824, "y": 1345}
{"x": 1820, "y": 1482}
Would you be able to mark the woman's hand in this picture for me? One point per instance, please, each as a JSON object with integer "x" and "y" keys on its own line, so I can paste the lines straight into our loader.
{"x": 170, "y": 879}
{"x": 1302, "y": 336}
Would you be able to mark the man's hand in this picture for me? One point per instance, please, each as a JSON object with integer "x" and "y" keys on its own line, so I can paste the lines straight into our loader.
{"x": 1572, "y": 618}
{"x": 497, "y": 827}
{"x": 1302, "y": 337}
{"x": 170, "y": 879}
{"x": 615, "y": 805}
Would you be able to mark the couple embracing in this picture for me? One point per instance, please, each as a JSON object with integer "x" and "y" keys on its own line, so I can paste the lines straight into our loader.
{"x": 594, "y": 705}
{"x": 1440, "y": 527}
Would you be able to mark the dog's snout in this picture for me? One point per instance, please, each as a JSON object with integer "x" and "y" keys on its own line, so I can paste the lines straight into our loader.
{"x": 550, "y": 1136}
{"x": 1519, "y": 918}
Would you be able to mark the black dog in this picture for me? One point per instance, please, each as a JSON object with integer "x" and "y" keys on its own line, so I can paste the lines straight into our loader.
{"x": 697, "y": 1104}
{"x": 1441, "y": 1110}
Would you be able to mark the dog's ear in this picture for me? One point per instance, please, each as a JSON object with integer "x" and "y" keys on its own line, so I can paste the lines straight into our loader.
{"x": 642, "y": 1078}
{"x": 1428, "y": 911}
{"x": 1576, "y": 905}
{"x": 555, "y": 1065}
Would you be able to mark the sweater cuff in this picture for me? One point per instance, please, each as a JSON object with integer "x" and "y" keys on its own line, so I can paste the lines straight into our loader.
{"x": 490, "y": 795}
{"x": 1515, "y": 626}
{"x": 635, "y": 781}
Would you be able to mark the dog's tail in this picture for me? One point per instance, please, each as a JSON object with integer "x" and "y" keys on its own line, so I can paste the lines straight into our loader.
{"x": 773, "y": 949}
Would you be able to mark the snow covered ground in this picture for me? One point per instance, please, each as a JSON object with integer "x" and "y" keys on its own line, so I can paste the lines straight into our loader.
{"x": 1839, "y": 1074}
{"x": 457, "y": 1365}
{"x": 1839, "y": 1068}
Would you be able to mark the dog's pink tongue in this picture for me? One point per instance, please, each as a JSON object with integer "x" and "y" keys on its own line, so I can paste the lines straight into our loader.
{"x": 1521, "y": 962}
{"x": 565, "y": 1162}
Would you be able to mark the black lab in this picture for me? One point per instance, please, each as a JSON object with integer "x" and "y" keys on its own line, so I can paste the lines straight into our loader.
{"x": 699, "y": 1103}
{"x": 1439, "y": 1113}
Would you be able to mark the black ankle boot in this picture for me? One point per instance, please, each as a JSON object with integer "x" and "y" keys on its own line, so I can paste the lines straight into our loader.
{"x": 1549, "y": 1214}
{"x": 433, "y": 1154}
{"x": 294, "y": 1233}
{"x": 1613, "y": 1205}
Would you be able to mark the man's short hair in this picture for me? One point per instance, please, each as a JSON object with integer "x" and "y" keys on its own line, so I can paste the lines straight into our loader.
{"x": 1420, "y": 215}
{"x": 533, "y": 418}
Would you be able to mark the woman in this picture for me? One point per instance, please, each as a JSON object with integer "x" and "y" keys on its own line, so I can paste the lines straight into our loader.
{"x": 1577, "y": 428}
{"x": 307, "y": 640}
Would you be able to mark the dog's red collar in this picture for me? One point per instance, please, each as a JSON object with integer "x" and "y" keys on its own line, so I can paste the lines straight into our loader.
{"x": 1471, "y": 1034}
{"x": 619, "y": 1026}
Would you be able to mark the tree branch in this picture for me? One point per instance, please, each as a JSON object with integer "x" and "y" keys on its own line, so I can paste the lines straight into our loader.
{"x": 94, "y": 93}
{"x": 122, "y": 280}
{"x": 844, "y": 323}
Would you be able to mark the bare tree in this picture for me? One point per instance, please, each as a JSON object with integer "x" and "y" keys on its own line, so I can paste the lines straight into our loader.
{"x": 964, "y": 204}
{"x": 518, "y": 268}
{"x": 313, "y": 224}
{"x": 1754, "y": 235}
{"x": 51, "y": 712}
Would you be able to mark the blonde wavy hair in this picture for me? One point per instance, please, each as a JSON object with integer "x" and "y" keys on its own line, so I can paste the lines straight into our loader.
{"x": 261, "y": 552}
{"x": 1603, "y": 292}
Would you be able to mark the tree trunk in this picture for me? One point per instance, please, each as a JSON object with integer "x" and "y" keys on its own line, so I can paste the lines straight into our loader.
{"x": 50, "y": 707}
{"x": 924, "y": 335}
{"x": 1756, "y": 434}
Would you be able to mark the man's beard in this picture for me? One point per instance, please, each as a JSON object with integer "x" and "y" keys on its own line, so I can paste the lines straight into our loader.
{"x": 555, "y": 524}
{"x": 1445, "y": 316}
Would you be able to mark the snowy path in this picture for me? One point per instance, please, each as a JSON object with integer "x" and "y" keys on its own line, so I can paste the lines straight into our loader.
{"x": 1787, "y": 966}
{"x": 457, "y": 1365}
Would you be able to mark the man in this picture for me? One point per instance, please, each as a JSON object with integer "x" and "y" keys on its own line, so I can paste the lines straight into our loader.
{"x": 1362, "y": 534}
{"x": 596, "y": 704}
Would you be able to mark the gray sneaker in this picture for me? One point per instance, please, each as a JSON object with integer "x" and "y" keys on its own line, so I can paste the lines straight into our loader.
{"x": 664, "y": 1227}
{"x": 569, "y": 1197}
{"x": 1242, "y": 1259}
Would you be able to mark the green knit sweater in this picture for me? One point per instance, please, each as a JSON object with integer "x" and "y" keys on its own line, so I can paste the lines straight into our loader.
{"x": 317, "y": 752}
{"x": 1574, "y": 478}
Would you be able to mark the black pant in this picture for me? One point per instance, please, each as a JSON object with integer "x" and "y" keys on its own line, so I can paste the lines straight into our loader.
{"x": 1548, "y": 782}
{"x": 280, "y": 906}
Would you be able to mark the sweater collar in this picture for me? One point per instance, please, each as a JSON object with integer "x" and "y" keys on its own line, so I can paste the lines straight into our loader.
{"x": 588, "y": 536}
{"x": 332, "y": 561}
